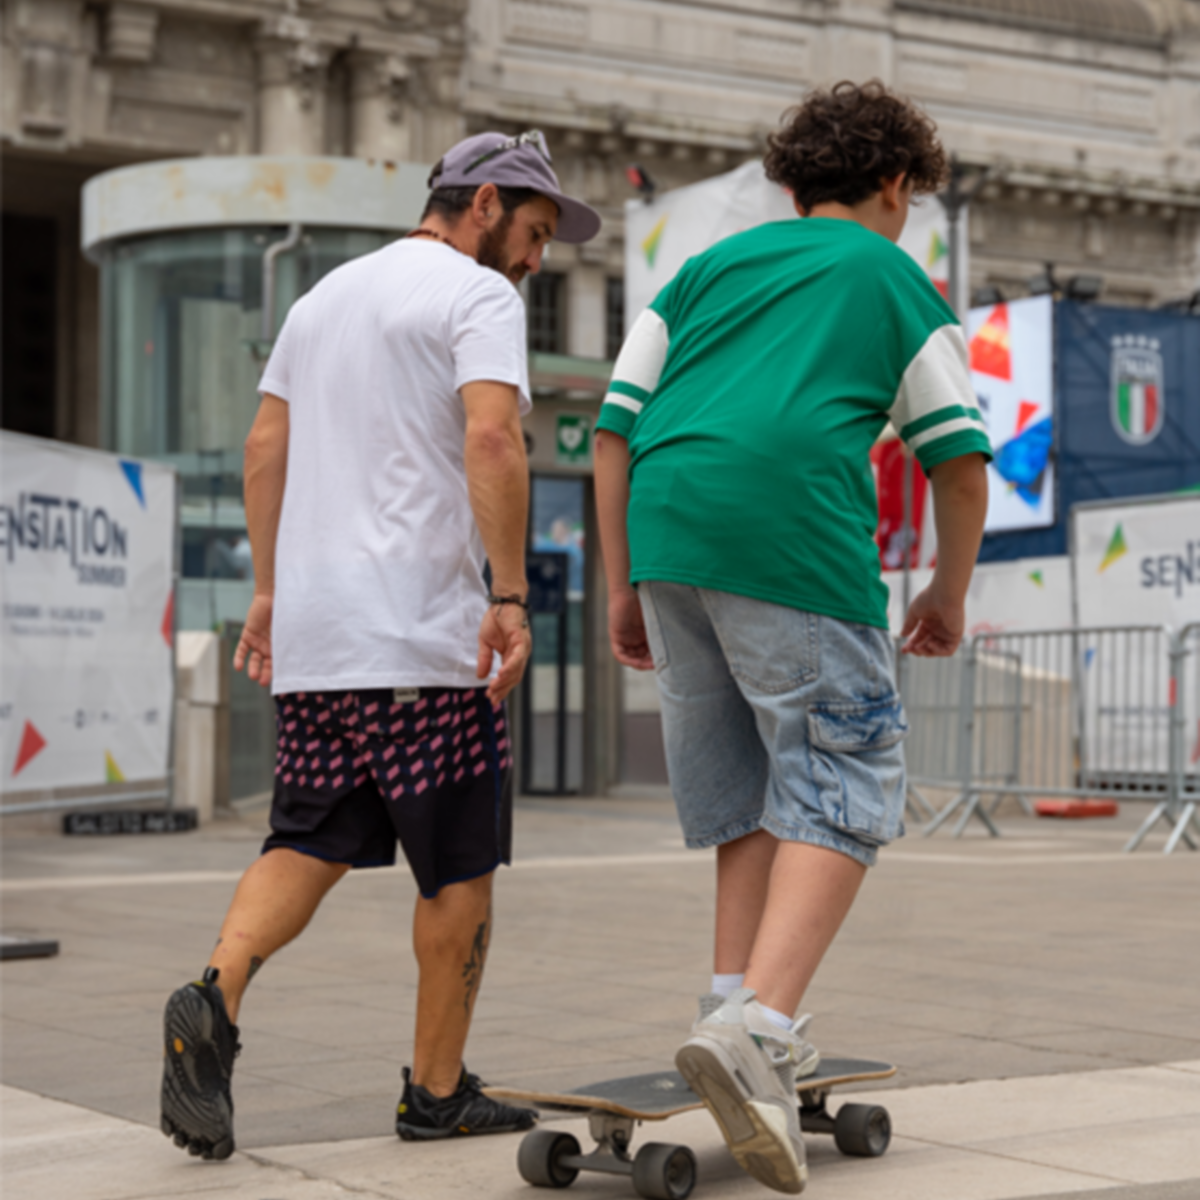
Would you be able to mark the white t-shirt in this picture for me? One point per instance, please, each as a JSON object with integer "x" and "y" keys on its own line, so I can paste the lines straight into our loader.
{"x": 378, "y": 561}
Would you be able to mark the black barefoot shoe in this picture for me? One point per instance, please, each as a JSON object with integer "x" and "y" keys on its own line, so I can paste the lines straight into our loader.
{"x": 200, "y": 1044}
{"x": 421, "y": 1116}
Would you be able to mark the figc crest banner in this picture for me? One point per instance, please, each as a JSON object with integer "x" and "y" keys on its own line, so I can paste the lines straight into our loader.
{"x": 87, "y": 541}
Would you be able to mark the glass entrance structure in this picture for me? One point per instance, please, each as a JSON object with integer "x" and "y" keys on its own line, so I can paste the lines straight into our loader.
{"x": 200, "y": 261}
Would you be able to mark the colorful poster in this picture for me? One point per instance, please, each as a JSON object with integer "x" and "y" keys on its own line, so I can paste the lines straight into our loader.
{"x": 87, "y": 625}
{"x": 662, "y": 235}
{"x": 1012, "y": 367}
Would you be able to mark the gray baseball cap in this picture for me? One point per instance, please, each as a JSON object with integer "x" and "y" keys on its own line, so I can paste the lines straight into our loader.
{"x": 516, "y": 162}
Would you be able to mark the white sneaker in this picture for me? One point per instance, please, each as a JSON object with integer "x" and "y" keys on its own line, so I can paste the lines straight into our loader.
{"x": 804, "y": 1054}
{"x": 744, "y": 1069}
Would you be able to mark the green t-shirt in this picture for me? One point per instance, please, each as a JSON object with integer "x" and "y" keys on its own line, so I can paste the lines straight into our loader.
{"x": 751, "y": 392}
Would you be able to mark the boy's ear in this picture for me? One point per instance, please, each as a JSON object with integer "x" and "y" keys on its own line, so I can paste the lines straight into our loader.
{"x": 892, "y": 189}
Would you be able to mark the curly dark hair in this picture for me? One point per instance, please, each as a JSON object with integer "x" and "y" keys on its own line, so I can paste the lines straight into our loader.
{"x": 842, "y": 143}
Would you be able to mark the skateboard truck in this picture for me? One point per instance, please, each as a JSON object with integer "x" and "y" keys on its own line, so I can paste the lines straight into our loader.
{"x": 549, "y": 1158}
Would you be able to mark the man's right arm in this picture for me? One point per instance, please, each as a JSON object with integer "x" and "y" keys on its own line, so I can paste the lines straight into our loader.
{"x": 498, "y": 483}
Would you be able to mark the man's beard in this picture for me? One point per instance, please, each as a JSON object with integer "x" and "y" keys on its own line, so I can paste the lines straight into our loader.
{"x": 493, "y": 250}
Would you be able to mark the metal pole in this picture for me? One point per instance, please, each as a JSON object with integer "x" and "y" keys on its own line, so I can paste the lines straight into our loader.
{"x": 272, "y": 252}
{"x": 955, "y": 266}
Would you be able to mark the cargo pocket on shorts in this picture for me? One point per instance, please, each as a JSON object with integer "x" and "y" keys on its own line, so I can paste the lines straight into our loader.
{"x": 858, "y": 766}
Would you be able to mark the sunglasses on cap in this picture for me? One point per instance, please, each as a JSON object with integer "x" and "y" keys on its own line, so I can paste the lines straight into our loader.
{"x": 531, "y": 137}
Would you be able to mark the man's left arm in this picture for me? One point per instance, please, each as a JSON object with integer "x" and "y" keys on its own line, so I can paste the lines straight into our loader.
{"x": 265, "y": 478}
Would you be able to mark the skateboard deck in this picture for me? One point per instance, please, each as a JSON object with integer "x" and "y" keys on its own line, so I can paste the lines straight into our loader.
{"x": 663, "y": 1094}
{"x": 551, "y": 1157}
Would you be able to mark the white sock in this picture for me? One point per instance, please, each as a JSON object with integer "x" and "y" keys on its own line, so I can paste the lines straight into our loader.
{"x": 781, "y": 1020}
{"x": 726, "y": 985}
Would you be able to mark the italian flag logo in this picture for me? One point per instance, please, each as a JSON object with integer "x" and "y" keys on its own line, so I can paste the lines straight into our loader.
{"x": 1137, "y": 389}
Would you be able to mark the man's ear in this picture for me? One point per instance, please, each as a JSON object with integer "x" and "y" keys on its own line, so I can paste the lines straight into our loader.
{"x": 486, "y": 205}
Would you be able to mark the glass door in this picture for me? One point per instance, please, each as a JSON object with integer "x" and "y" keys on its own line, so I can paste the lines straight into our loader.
{"x": 553, "y": 695}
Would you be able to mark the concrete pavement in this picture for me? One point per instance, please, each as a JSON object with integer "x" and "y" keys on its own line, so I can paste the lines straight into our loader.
{"x": 1040, "y": 995}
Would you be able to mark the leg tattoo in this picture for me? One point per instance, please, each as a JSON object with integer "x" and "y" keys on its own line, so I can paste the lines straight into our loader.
{"x": 473, "y": 968}
{"x": 255, "y": 963}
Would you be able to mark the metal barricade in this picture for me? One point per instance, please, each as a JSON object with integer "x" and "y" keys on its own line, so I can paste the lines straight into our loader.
{"x": 931, "y": 689}
{"x": 1178, "y": 808}
{"x": 1053, "y": 713}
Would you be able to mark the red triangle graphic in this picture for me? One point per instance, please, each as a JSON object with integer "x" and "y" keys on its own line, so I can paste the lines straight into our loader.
{"x": 32, "y": 744}
{"x": 1025, "y": 414}
{"x": 168, "y": 621}
{"x": 989, "y": 348}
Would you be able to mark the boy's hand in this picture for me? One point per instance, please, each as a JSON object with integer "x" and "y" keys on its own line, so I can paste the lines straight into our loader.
{"x": 933, "y": 627}
{"x": 627, "y": 630}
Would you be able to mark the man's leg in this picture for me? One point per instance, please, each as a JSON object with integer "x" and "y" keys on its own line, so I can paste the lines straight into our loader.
{"x": 811, "y": 891}
{"x": 274, "y": 901}
{"x": 451, "y": 933}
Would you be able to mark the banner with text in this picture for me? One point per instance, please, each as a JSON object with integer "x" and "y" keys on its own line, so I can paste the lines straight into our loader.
{"x": 1137, "y": 563}
{"x": 86, "y": 640}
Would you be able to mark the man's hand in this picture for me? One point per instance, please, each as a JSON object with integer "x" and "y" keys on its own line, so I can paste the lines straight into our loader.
{"x": 933, "y": 627}
{"x": 254, "y": 646}
{"x": 627, "y": 630}
{"x": 504, "y": 631}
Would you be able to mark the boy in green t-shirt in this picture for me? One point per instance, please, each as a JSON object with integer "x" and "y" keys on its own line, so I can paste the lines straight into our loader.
{"x": 737, "y": 516}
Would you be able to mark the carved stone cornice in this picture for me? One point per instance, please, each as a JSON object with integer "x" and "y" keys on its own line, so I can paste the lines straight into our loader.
{"x": 289, "y": 54}
{"x": 130, "y": 31}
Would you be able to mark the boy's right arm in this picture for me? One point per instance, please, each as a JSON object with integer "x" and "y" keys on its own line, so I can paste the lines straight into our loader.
{"x": 933, "y": 626}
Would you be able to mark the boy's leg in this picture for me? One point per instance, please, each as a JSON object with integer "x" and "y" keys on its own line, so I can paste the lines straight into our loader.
{"x": 743, "y": 877}
{"x": 274, "y": 901}
{"x": 811, "y": 891}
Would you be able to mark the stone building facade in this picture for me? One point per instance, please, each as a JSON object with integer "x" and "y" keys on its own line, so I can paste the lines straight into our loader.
{"x": 1086, "y": 114}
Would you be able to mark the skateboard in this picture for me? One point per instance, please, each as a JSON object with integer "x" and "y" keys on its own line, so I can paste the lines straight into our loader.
{"x": 659, "y": 1170}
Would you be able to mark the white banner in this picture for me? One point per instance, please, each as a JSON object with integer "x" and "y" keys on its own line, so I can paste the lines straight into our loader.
{"x": 662, "y": 235}
{"x": 1134, "y": 562}
{"x": 86, "y": 640}
{"x": 1137, "y": 562}
{"x": 1012, "y": 368}
{"x": 1024, "y": 594}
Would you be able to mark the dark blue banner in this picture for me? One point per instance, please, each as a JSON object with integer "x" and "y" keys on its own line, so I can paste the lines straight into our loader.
{"x": 1127, "y": 414}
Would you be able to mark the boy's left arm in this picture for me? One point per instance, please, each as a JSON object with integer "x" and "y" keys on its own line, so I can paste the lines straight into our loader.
{"x": 934, "y": 624}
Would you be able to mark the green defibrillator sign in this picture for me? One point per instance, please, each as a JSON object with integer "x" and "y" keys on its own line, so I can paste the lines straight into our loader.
{"x": 573, "y": 440}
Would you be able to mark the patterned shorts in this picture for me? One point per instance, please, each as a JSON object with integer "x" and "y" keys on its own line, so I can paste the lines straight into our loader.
{"x": 356, "y": 771}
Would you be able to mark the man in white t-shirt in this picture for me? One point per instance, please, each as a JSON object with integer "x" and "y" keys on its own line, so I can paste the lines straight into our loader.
{"x": 386, "y": 463}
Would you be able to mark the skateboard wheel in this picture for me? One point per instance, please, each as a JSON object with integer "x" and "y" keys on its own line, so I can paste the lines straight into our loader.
{"x": 540, "y": 1156}
{"x": 662, "y": 1172}
{"x": 862, "y": 1130}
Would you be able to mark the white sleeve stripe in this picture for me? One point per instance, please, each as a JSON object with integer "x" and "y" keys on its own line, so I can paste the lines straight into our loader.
{"x": 937, "y": 377}
{"x": 634, "y": 406}
{"x": 958, "y": 425}
{"x": 645, "y": 350}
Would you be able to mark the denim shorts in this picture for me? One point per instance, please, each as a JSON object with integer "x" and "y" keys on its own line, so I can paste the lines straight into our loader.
{"x": 776, "y": 719}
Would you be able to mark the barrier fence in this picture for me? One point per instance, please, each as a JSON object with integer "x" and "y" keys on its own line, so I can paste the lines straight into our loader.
{"x": 1109, "y": 713}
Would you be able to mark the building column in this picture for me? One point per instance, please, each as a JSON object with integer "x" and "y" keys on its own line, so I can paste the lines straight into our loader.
{"x": 292, "y": 69}
{"x": 380, "y": 116}
{"x": 586, "y": 330}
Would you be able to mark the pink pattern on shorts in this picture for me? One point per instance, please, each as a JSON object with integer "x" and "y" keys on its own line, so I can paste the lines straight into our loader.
{"x": 335, "y": 741}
